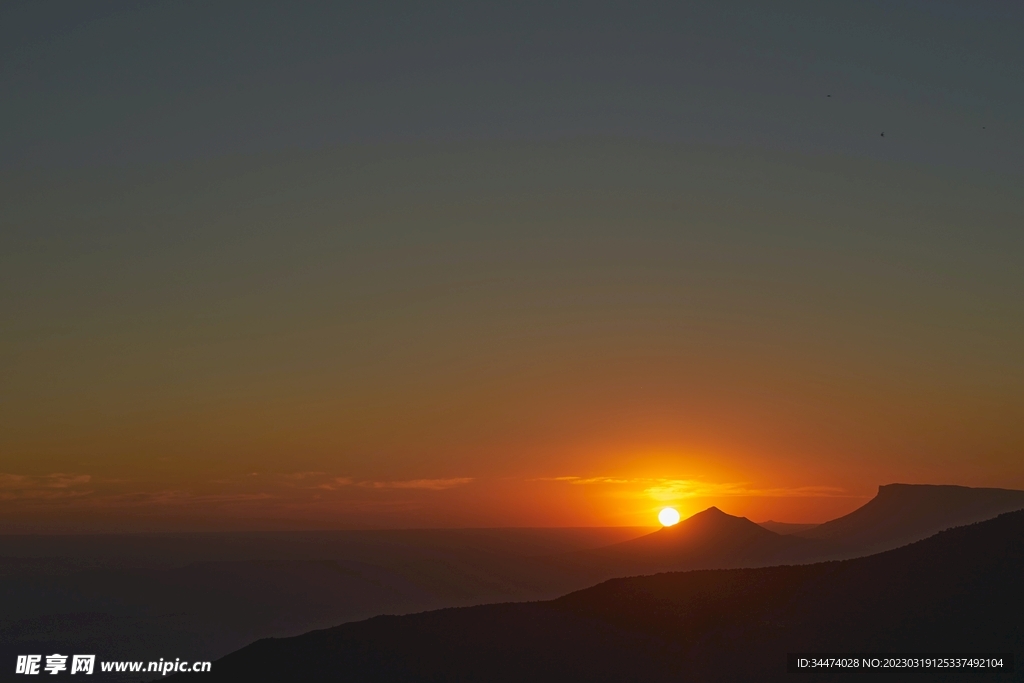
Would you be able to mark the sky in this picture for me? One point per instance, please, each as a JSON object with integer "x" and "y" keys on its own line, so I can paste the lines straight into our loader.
{"x": 320, "y": 265}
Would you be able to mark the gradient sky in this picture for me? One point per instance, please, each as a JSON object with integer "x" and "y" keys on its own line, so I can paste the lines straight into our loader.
{"x": 424, "y": 264}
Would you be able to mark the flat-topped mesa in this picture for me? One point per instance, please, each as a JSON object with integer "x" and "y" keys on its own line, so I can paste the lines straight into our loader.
{"x": 899, "y": 489}
{"x": 904, "y": 513}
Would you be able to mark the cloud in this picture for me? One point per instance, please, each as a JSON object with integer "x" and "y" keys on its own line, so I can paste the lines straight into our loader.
{"x": 335, "y": 483}
{"x": 427, "y": 484}
{"x": 43, "y": 487}
{"x": 304, "y": 475}
{"x": 271, "y": 495}
{"x": 177, "y": 497}
{"x": 338, "y": 483}
{"x": 50, "y": 481}
{"x": 675, "y": 489}
{"x": 588, "y": 480}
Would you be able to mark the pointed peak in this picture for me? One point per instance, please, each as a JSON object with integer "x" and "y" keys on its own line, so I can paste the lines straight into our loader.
{"x": 717, "y": 518}
{"x": 712, "y": 513}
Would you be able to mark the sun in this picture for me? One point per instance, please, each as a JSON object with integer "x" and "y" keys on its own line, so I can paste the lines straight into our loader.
{"x": 668, "y": 516}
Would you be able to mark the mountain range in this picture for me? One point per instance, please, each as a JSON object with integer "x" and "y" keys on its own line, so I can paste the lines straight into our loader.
{"x": 710, "y": 539}
{"x": 904, "y": 513}
{"x": 899, "y": 514}
{"x": 785, "y": 528}
{"x": 203, "y": 596}
{"x": 959, "y": 591}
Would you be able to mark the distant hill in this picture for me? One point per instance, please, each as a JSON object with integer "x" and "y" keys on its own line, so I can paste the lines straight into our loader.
{"x": 710, "y": 539}
{"x": 143, "y": 596}
{"x": 785, "y": 528}
{"x": 959, "y": 591}
{"x": 898, "y": 515}
{"x": 904, "y": 513}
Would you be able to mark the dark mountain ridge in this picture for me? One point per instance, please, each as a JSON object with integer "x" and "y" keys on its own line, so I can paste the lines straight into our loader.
{"x": 710, "y": 539}
{"x": 899, "y": 514}
{"x": 205, "y": 595}
{"x": 958, "y": 591}
{"x": 785, "y": 528}
{"x": 904, "y": 513}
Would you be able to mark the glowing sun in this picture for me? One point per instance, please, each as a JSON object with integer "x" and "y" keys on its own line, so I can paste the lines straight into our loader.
{"x": 668, "y": 516}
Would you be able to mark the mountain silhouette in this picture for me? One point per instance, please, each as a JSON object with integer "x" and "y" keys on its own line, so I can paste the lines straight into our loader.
{"x": 956, "y": 592}
{"x": 904, "y": 513}
{"x": 899, "y": 514}
{"x": 710, "y": 539}
{"x": 141, "y": 596}
{"x": 785, "y": 528}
